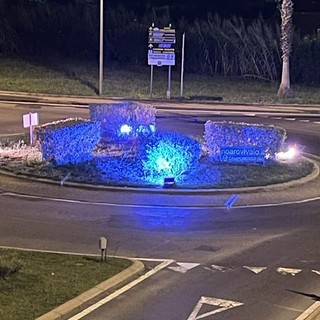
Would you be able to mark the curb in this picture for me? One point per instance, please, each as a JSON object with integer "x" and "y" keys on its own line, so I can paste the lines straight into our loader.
{"x": 75, "y": 303}
{"x": 277, "y": 186}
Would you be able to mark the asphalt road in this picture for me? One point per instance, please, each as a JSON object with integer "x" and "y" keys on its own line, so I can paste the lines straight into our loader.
{"x": 251, "y": 262}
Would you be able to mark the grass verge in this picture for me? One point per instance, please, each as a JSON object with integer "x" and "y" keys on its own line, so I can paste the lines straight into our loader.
{"x": 79, "y": 78}
{"x": 39, "y": 282}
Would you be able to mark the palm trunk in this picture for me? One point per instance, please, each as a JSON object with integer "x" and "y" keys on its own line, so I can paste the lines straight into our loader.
{"x": 286, "y": 45}
{"x": 284, "y": 89}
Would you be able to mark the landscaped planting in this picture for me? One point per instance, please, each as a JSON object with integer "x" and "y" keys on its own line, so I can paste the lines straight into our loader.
{"x": 96, "y": 152}
{"x": 68, "y": 141}
{"x": 230, "y": 134}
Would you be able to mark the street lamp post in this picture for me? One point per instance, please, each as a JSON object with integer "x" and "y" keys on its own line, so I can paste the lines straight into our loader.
{"x": 101, "y": 49}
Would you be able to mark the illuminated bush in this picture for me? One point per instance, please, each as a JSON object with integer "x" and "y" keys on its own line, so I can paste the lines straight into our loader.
{"x": 231, "y": 134}
{"x": 68, "y": 141}
{"x": 123, "y": 122}
{"x": 169, "y": 154}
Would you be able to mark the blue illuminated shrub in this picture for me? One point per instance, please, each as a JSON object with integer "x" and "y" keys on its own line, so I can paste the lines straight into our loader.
{"x": 68, "y": 141}
{"x": 119, "y": 170}
{"x": 231, "y": 134}
{"x": 168, "y": 154}
{"x": 123, "y": 122}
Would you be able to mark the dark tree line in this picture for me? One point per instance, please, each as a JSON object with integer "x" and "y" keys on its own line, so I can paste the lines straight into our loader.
{"x": 214, "y": 45}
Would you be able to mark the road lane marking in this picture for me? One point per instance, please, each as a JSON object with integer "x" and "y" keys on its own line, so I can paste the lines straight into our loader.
{"x": 220, "y": 268}
{"x": 255, "y": 270}
{"x": 223, "y": 304}
{"x": 316, "y": 272}
{"x": 107, "y": 204}
{"x": 285, "y": 271}
{"x": 309, "y": 311}
{"x": 288, "y": 308}
{"x": 121, "y": 290}
{"x": 184, "y": 267}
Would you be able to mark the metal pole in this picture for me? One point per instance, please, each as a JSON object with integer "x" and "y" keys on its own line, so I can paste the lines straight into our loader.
{"x": 169, "y": 83}
{"x": 31, "y": 129}
{"x": 182, "y": 65}
{"x": 151, "y": 81}
{"x": 101, "y": 49}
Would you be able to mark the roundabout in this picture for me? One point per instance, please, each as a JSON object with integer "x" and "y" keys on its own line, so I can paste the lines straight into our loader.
{"x": 267, "y": 227}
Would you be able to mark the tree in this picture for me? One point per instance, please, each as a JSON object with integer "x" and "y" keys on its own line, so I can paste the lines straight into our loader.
{"x": 286, "y": 10}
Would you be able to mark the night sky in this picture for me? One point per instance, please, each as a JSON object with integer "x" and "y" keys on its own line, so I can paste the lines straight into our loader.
{"x": 192, "y": 8}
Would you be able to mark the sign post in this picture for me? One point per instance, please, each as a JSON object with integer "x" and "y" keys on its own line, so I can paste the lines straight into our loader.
{"x": 29, "y": 121}
{"x": 161, "y": 51}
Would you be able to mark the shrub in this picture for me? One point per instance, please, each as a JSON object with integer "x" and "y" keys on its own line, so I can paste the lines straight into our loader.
{"x": 168, "y": 154}
{"x": 231, "y": 134}
{"x": 122, "y": 123}
{"x": 68, "y": 141}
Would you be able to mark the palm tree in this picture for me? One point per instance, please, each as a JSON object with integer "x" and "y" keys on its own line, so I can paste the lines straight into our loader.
{"x": 286, "y": 10}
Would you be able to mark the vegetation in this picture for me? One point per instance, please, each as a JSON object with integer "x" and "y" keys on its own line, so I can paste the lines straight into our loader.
{"x": 128, "y": 171}
{"x": 33, "y": 283}
{"x": 74, "y": 78}
{"x": 214, "y": 45}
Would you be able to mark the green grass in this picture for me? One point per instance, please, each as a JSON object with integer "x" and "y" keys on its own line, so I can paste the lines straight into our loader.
{"x": 47, "y": 280}
{"x": 81, "y": 78}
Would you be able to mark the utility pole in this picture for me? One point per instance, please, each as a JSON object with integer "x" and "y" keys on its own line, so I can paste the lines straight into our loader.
{"x": 101, "y": 49}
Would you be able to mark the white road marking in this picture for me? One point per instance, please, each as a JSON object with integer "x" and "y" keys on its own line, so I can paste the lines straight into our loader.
{"x": 309, "y": 311}
{"x": 285, "y": 271}
{"x": 184, "y": 267}
{"x": 304, "y": 120}
{"x": 223, "y": 304}
{"x": 317, "y": 122}
{"x": 221, "y": 268}
{"x": 289, "y": 119}
{"x": 316, "y": 272}
{"x": 107, "y": 204}
{"x": 250, "y": 114}
{"x": 256, "y": 270}
{"x": 121, "y": 291}
{"x": 277, "y": 118}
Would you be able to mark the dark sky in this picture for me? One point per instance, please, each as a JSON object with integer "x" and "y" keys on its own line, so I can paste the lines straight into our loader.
{"x": 247, "y": 8}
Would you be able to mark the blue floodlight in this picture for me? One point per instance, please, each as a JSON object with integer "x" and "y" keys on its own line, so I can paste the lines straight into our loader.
{"x": 125, "y": 129}
{"x": 163, "y": 164}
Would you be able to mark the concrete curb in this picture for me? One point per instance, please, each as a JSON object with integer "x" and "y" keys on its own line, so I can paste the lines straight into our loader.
{"x": 75, "y": 303}
{"x": 277, "y": 186}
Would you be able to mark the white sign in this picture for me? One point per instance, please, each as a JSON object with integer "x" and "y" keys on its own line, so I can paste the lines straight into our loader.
{"x": 161, "y": 59}
{"x": 30, "y": 119}
{"x": 223, "y": 304}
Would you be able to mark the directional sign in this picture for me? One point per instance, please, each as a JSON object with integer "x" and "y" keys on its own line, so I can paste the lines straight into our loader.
{"x": 161, "y": 51}
{"x": 221, "y": 303}
{"x": 161, "y": 59}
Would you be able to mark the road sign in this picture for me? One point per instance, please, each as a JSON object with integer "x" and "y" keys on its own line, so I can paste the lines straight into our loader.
{"x": 161, "y": 59}
{"x": 30, "y": 119}
{"x": 161, "y": 51}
